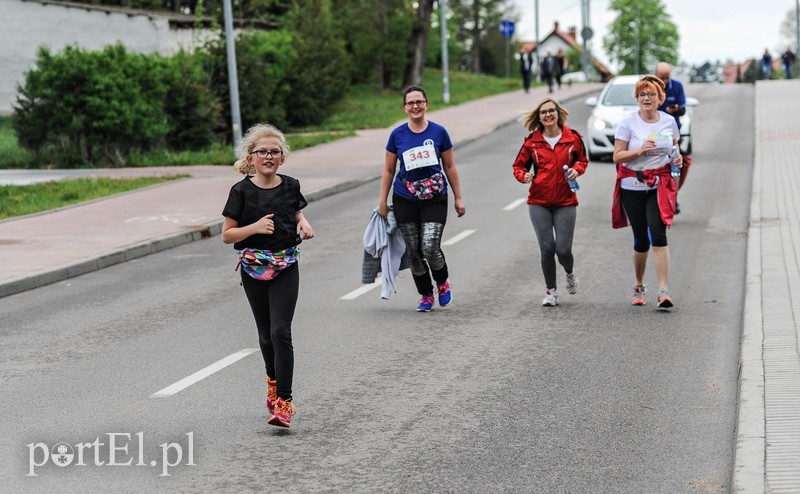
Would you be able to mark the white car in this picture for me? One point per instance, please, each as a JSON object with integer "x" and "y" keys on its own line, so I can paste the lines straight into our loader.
{"x": 615, "y": 102}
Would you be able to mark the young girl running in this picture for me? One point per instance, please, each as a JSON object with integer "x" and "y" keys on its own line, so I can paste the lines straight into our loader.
{"x": 263, "y": 220}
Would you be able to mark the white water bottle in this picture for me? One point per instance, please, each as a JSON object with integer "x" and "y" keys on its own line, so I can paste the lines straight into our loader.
{"x": 674, "y": 169}
{"x": 573, "y": 184}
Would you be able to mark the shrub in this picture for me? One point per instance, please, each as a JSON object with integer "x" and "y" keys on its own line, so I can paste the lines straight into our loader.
{"x": 81, "y": 107}
{"x": 263, "y": 61}
{"x": 191, "y": 106}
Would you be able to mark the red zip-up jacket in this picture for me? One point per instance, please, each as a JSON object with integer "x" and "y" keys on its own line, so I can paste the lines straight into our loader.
{"x": 549, "y": 186}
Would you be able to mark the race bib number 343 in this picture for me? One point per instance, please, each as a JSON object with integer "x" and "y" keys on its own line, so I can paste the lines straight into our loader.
{"x": 420, "y": 157}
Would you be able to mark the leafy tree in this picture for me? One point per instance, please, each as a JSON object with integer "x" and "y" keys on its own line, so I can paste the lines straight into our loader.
{"x": 484, "y": 47}
{"x": 417, "y": 43}
{"x": 641, "y": 35}
{"x": 375, "y": 35}
{"x": 753, "y": 72}
{"x": 320, "y": 75}
{"x": 264, "y": 60}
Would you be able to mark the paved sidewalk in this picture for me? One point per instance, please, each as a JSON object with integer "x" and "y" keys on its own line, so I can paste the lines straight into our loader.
{"x": 768, "y": 430}
{"x": 40, "y": 249}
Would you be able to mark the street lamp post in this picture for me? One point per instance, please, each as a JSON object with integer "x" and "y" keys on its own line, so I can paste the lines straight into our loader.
{"x": 233, "y": 80}
{"x": 536, "y": 46}
{"x": 445, "y": 76}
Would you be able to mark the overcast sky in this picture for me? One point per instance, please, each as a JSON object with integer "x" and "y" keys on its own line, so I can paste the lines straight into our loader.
{"x": 709, "y": 29}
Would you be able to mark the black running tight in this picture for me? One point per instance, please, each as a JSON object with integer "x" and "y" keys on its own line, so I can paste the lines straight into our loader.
{"x": 273, "y": 303}
{"x": 422, "y": 224}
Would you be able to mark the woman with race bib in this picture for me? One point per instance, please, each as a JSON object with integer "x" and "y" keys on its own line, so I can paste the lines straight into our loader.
{"x": 419, "y": 197}
{"x": 645, "y": 192}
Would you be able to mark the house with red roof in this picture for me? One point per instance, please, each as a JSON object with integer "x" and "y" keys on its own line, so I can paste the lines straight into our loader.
{"x": 565, "y": 41}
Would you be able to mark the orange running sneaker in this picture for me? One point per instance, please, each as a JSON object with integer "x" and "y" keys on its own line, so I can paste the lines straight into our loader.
{"x": 272, "y": 394}
{"x": 284, "y": 411}
{"x": 638, "y": 294}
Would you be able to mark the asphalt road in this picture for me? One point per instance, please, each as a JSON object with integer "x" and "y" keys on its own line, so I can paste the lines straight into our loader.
{"x": 494, "y": 394}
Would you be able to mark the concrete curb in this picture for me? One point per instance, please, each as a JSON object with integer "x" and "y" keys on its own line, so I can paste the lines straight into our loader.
{"x": 140, "y": 249}
{"x": 750, "y": 456}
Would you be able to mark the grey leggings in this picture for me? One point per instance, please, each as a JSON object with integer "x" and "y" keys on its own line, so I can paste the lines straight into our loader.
{"x": 545, "y": 221}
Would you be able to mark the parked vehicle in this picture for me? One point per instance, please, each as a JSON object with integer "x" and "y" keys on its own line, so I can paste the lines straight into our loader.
{"x": 616, "y": 100}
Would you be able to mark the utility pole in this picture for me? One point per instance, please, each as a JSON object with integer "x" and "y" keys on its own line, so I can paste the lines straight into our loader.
{"x": 445, "y": 76}
{"x": 233, "y": 80}
{"x": 586, "y": 34}
{"x": 797, "y": 27}
{"x": 536, "y": 47}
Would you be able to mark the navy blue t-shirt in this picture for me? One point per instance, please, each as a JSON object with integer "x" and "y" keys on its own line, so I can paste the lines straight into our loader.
{"x": 675, "y": 96}
{"x": 420, "y": 155}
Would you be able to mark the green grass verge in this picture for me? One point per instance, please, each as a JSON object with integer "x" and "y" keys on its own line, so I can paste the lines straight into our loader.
{"x": 18, "y": 200}
{"x": 366, "y": 107}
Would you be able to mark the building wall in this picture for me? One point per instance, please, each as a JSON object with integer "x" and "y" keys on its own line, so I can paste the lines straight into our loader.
{"x": 27, "y": 25}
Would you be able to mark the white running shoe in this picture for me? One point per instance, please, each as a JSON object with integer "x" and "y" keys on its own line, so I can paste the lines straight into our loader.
{"x": 572, "y": 283}
{"x": 551, "y": 299}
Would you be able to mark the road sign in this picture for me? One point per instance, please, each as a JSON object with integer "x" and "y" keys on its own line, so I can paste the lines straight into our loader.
{"x": 587, "y": 33}
{"x": 506, "y": 28}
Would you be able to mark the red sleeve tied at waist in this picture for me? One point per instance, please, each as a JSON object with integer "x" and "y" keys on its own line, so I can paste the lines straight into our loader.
{"x": 667, "y": 193}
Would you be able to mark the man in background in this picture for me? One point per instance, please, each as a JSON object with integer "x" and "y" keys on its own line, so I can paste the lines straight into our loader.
{"x": 525, "y": 66}
{"x": 787, "y": 59}
{"x": 675, "y": 105}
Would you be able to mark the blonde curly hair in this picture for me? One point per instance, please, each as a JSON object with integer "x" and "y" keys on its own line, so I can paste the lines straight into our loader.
{"x": 248, "y": 142}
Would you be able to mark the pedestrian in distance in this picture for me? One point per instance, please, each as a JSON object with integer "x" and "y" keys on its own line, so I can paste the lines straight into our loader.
{"x": 525, "y": 66}
{"x": 787, "y": 60}
{"x": 675, "y": 105}
{"x": 420, "y": 194}
{"x": 766, "y": 64}
{"x": 645, "y": 192}
{"x": 265, "y": 223}
{"x": 552, "y": 204}
{"x": 547, "y": 70}
{"x": 560, "y": 66}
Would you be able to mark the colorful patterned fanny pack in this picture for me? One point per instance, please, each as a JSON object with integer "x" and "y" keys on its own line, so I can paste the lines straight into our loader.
{"x": 265, "y": 265}
{"x": 426, "y": 188}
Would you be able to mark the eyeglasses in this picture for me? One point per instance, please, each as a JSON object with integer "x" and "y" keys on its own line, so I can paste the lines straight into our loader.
{"x": 418, "y": 102}
{"x": 647, "y": 95}
{"x": 549, "y": 110}
{"x": 267, "y": 153}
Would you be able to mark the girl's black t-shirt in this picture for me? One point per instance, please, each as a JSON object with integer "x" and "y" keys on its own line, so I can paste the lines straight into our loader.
{"x": 248, "y": 203}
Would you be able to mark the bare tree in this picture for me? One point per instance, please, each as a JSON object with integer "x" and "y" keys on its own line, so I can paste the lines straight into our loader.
{"x": 789, "y": 30}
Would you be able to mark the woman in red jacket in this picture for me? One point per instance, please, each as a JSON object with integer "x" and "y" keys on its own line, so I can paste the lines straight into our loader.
{"x": 552, "y": 204}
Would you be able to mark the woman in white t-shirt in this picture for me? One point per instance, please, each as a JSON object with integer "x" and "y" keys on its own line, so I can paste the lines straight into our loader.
{"x": 645, "y": 193}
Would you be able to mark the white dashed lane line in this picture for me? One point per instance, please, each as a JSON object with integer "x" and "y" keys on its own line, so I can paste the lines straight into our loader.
{"x": 515, "y": 204}
{"x": 461, "y": 236}
{"x": 366, "y": 288}
{"x": 203, "y": 373}
{"x": 360, "y": 291}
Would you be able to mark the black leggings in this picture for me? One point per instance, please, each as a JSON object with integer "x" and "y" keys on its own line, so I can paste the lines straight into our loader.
{"x": 273, "y": 303}
{"x": 641, "y": 207}
{"x": 422, "y": 224}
